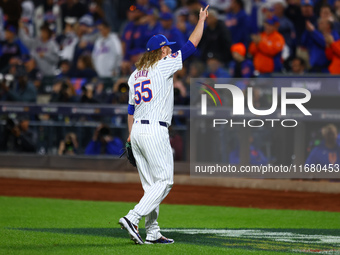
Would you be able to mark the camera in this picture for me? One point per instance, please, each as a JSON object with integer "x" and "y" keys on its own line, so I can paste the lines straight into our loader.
{"x": 7, "y": 79}
{"x": 69, "y": 146}
{"x": 10, "y": 124}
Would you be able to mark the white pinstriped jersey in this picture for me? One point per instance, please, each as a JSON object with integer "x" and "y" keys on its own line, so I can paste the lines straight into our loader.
{"x": 151, "y": 91}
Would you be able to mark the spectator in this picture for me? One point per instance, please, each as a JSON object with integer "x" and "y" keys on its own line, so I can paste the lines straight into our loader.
{"x": 168, "y": 5}
{"x": 63, "y": 92}
{"x": 171, "y": 32}
{"x": 120, "y": 92}
{"x": 84, "y": 68}
{"x": 69, "y": 145}
{"x": 44, "y": 50}
{"x": 51, "y": 21}
{"x": 266, "y": 48}
{"x": 307, "y": 11}
{"x": 33, "y": 74}
{"x": 326, "y": 13}
{"x": 96, "y": 10}
{"x": 51, "y": 11}
{"x": 65, "y": 69}
{"x": 103, "y": 143}
{"x": 337, "y": 9}
{"x": 256, "y": 15}
{"x": 86, "y": 38}
{"x": 196, "y": 70}
{"x": 214, "y": 68}
{"x": 153, "y": 24}
{"x": 327, "y": 152}
{"x": 87, "y": 96}
{"x": 72, "y": 8}
{"x": 10, "y": 48}
{"x": 333, "y": 54}
{"x": 298, "y": 66}
{"x": 107, "y": 53}
{"x": 192, "y": 21}
{"x": 314, "y": 41}
{"x": 100, "y": 94}
{"x": 18, "y": 88}
{"x": 216, "y": 39}
{"x": 18, "y": 137}
{"x": 27, "y": 15}
{"x": 133, "y": 38}
{"x": 219, "y": 5}
{"x": 195, "y": 5}
{"x": 286, "y": 28}
{"x": 256, "y": 155}
{"x": 68, "y": 39}
{"x": 237, "y": 22}
{"x": 294, "y": 14}
{"x": 240, "y": 67}
{"x": 182, "y": 22}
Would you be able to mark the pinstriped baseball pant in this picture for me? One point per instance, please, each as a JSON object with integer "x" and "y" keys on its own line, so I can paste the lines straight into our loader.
{"x": 152, "y": 150}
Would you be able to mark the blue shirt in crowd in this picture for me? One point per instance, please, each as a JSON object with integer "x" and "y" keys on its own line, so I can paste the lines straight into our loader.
{"x": 114, "y": 147}
{"x": 256, "y": 156}
{"x": 135, "y": 39}
{"x": 324, "y": 156}
{"x": 174, "y": 35}
{"x": 315, "y": 42}
{"x": 246, "y": 69}
{"x": 239, "y": 27}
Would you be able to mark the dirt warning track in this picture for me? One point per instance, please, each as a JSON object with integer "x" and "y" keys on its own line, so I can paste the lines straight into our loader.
{"x": 180, "y": 194}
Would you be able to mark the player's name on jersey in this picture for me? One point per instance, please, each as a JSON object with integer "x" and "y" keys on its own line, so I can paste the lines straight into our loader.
{"x": 142, "y": 73}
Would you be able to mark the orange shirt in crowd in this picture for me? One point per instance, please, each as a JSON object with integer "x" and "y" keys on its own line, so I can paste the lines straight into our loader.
{"x": 333, "y": 54}
{"x": 265, "y": 51}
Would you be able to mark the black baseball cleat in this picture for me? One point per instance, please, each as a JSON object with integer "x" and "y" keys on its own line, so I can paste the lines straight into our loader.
{"x": 131, "y": 229}
{"x": 162, "y": 240}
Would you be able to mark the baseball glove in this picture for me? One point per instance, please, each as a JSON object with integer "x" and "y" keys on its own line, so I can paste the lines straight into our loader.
{"x": 129, "y": 154}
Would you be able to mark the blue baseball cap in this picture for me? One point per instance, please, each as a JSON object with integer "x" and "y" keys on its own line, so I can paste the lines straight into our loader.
{"x": 166, "y": 16}
{"x": 272, "y": 21}
{"x": 307, "y": 2}
{"x": 157, "y": 41}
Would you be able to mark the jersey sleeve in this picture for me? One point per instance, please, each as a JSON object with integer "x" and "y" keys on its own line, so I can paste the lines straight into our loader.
{"x": 171, "y": 64}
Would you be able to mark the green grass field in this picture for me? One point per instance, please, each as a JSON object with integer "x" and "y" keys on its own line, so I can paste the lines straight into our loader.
{"x": 55, "y": 226}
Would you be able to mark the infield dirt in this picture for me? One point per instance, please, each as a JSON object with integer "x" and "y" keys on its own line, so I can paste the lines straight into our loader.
{"x": 180, "y": 194}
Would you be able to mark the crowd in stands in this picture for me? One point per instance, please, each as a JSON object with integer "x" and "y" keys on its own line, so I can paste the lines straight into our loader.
{"x": 82, "y": 42}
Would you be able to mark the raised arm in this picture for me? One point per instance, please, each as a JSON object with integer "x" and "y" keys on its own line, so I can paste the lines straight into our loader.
{"x": 190, "y": 46}
{"x": 196, "y": 35}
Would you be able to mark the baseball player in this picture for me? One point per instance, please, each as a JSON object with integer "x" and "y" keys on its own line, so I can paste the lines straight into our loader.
{"x": 150, "y": 110}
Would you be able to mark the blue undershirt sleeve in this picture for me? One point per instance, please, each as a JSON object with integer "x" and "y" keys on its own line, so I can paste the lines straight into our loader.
{"x": 131, "y": 109}
{"x": 187, "y": 50}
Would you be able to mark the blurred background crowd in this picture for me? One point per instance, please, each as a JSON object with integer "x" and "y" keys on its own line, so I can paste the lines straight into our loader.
{"x": 83, "y": 51}
{"x": 80, "y": 46}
